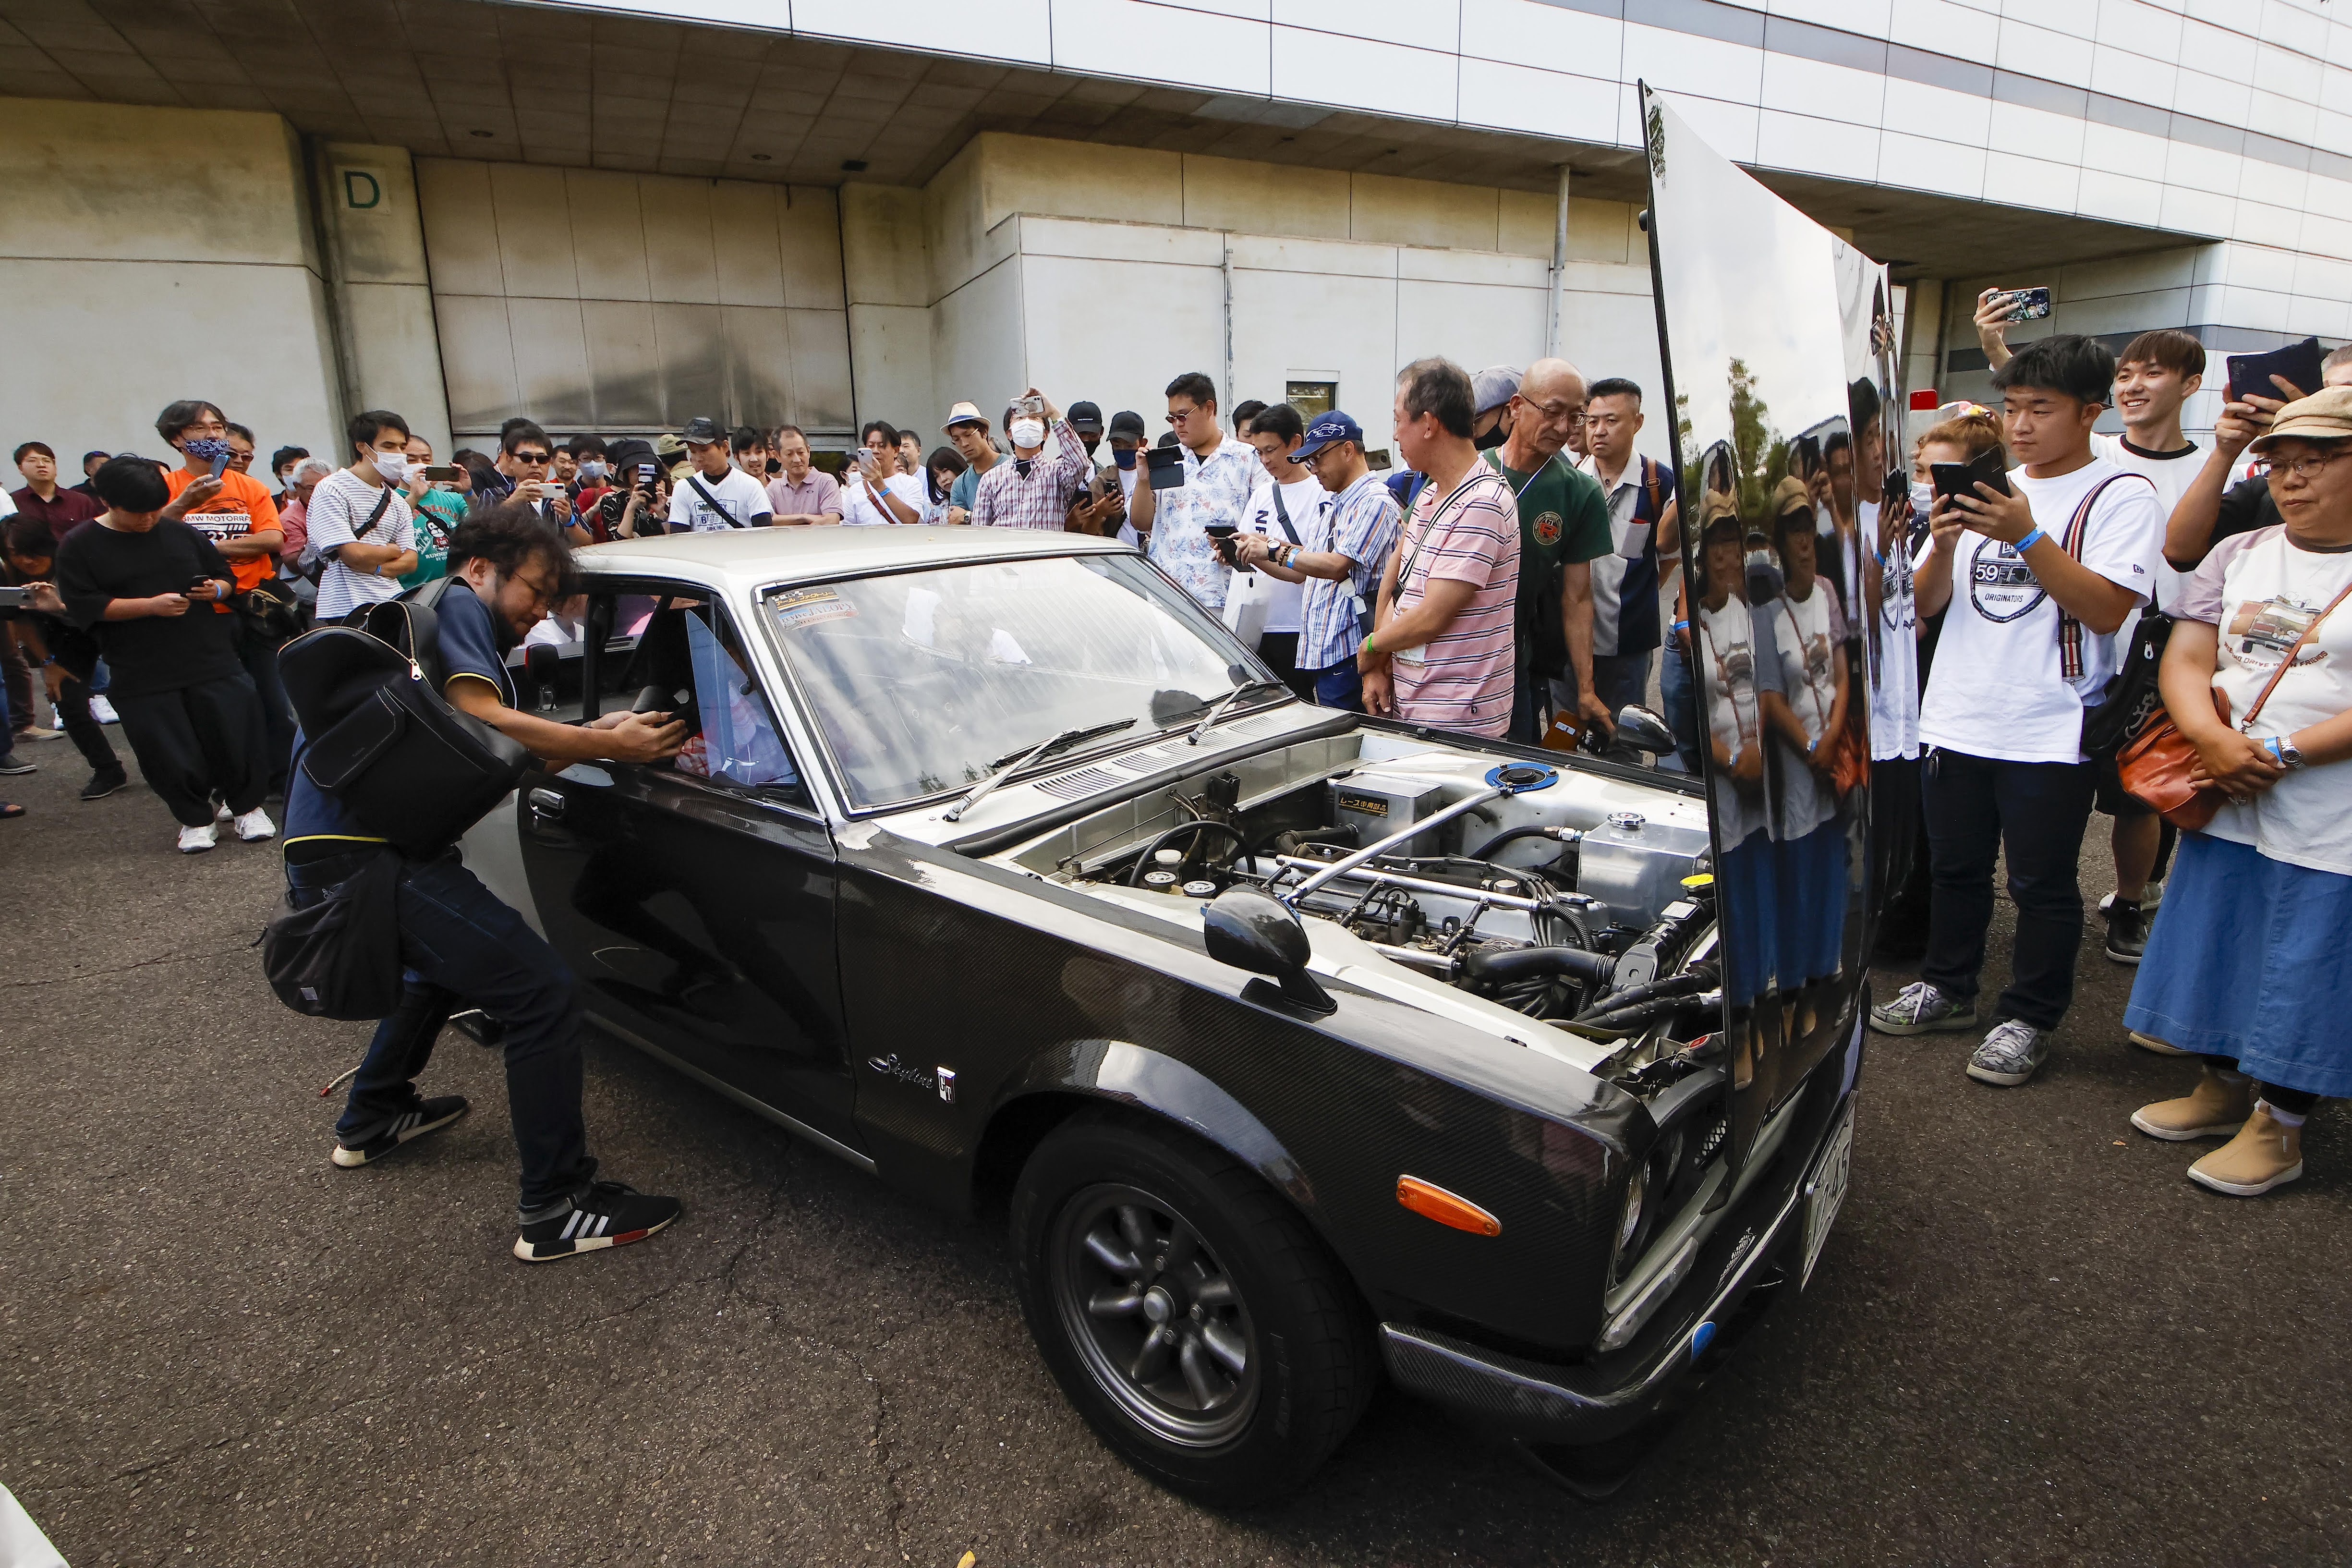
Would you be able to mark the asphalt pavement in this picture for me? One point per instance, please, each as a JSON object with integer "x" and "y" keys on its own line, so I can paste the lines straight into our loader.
{"x": 2030, "y": 1340}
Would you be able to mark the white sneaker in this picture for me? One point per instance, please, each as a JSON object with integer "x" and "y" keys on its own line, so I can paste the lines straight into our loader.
{"x": 221, "y": 813}
{"x": 253, "y": 827}
{"x": 196, "y": 840}
{"x": 103, "y": 712}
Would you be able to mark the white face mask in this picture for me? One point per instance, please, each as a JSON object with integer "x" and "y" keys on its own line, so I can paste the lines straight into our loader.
{"x": 1027, "y": 432}
{"x": 1923, "y": 500}
{"x": 591, "y": 469}
{"x": 393, "y": 466}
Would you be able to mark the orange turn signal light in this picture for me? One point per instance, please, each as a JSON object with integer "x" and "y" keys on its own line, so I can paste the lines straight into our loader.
{"x": 1433, "y": 1202}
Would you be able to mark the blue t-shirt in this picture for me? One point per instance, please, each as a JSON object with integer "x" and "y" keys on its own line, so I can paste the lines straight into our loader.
{"x": 469, "y": 649}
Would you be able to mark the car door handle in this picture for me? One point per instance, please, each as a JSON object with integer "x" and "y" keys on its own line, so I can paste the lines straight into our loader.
{"x": 546, "y": 803}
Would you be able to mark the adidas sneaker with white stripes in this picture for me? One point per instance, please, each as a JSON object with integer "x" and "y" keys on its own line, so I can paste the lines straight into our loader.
{"x": 603, "y": 1215}
{"x": 428, "y": 1116}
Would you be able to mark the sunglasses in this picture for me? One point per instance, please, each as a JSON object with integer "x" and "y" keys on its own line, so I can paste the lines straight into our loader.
{"x": 534, "y": 456}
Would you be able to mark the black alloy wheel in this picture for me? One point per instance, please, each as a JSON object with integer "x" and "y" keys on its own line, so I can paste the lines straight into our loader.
{"x": 1187, "y": 1309}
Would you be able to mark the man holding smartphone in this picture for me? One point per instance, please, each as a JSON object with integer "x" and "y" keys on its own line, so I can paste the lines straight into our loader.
{"x": 876, "y": 493}
{"x": 1033, "y": 489}
{"x": 1346, "y": 541}
{"x": 525, "y": 457}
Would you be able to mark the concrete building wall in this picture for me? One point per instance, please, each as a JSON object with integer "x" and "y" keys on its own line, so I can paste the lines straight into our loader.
{"x": 154, "y": 253}
{"x": 382, "y": 296}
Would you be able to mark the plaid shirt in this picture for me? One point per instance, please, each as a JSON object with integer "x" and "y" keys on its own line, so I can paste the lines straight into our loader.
{"x": 1007, "y": 498}
{"x": 1217, "y": 490}
{"x": 1361, "y": 523}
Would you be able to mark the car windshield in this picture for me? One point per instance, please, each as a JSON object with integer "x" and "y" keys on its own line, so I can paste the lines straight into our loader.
{"x": 923, "y": 682}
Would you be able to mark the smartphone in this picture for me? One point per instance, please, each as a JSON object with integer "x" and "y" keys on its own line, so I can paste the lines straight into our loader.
{"x": 1166, "y": 465}
{"x": 1379, "y": 458}
{"x": 15, "y": 598}
{"x": 645, "y": 475}
{"x": 1961, "y": 478}
{"x": 1031, "y": 406}
{"x": 442, "y": 473}
{"x": 2027, "y": 304}
{"x": 2298, "y": 362}
{"x": 220, "y": 465}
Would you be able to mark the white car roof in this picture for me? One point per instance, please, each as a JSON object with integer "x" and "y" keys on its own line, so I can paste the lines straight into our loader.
{"x": 751, "y": 558}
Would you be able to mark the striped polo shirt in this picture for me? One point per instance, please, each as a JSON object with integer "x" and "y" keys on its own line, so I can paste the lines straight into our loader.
{"x": 1462, "y": 679}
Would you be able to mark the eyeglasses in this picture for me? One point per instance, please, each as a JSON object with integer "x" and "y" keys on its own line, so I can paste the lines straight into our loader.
{"x": 540, "y": 594}
{"x": 2304, "y": 467}
{"x": 533, "y": 458}
{"x": 1181, "y": 415}
{"x": 1555, "y": 411}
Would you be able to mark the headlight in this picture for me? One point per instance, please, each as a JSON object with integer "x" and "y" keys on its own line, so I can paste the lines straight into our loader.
{"x": 1628, "y": 1221}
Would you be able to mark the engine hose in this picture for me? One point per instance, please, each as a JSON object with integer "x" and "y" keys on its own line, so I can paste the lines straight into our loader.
{"x": 1510, "y": 836}
{"x": 1493, "y": 967}
{"x": 1143, "y": 862}
{"x": 1650, "y": 1012}
{"x": 1697, "y": 979}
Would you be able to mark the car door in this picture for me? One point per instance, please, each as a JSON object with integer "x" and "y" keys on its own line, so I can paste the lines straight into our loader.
{"x": 695, "y": 897}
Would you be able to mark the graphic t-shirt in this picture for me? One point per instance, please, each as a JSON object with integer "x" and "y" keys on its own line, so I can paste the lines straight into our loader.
{"x": 1462, "y": 679}
{"x": 735, "y": 499}
{"x": 1892, "y": 663}
{"x": 1806, "y": 635}
{"x": 2260, "y": 590}
{"x": 1999, "y": 687}
{"x": 242, "y": 507}
{"x": 1563, "y": 520}
{"x": 1304, "y": 500}
{"x": 340, "y": 505}
{"x": 1729, "y": 672}
{"x": 437, "y": 514}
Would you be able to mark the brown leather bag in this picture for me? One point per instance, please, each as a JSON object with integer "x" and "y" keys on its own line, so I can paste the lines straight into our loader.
{"x": 2156, "y": 764}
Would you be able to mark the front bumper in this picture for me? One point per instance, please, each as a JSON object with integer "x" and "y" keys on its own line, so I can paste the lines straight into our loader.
{"x": 1541, "y": 1403}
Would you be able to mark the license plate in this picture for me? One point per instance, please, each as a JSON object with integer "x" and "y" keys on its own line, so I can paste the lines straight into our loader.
{"x": 1825, "y": 1190}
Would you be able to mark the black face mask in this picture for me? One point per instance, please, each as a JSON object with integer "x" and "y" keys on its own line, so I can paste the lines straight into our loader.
{"x": 1492, "y": 439}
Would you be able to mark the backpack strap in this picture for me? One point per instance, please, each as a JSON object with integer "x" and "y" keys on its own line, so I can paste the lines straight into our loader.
{"x": 1650, "y": 482}
{"x": 2070, "y": 630}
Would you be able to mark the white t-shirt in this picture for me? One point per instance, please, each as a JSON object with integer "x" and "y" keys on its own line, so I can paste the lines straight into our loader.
{"x": 1725, "y": 648}
{"x": 2171, "y": 473}
{"x": 860, "y": 510}
{"x": 2260, "y": 590}
{"x": 1305, "y": 499}
{"x": 1999, "y": 687}
{"x": 340, "y": 506}
{"x": 1805, "y": 637}
{"x": 1892, "y": 667}
{"x": 740, "y": 499}
{"x": 1127, "y": 478}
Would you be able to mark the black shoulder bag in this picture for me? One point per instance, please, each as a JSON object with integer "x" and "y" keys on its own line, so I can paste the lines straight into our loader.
{"x": 340, "y": 957}
{"x": 379, "y": 736}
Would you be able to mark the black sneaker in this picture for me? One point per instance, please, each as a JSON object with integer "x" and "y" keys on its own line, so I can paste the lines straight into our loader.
{"x": 104, "y": 783}
{"x": 607, "y": 1213}
{"x": 9, "y": 763}
{"x": 2126, "y": 932}
{"x": 429, "y": 1116}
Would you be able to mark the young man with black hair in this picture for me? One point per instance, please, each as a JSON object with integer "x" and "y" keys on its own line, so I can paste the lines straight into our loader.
{"x": 1640, "y": 495}
{"x": 2039, "y": 582}
{"x": 143, "y": 582}
{"x": 1220, "y": 473}
{"x": 1281, "y": 509}
{"x": 714, "y": 496}
{"x": 1033, "y": 489}
{"x": 875, "y": 493}
{"x": 66, "y": 655}
{"x": 748, "y": 449}
{"x": 462, "y": 947}
{"x": 359, "y": 523}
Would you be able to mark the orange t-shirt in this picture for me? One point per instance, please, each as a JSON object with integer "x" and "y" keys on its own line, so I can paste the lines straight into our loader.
{"x": 242, "y": 507}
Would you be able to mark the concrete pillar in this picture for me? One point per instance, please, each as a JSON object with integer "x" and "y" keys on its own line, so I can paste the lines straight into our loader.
{"x": 887, "y": 270}
{"x": 379, "y": 296}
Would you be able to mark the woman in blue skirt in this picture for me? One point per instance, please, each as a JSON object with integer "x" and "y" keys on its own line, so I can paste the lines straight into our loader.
{"x": 2246, "y": 965}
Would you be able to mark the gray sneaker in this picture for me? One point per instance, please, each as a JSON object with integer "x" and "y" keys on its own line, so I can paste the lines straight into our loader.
{"x": 2009, "y": 1053}
{"x": 1920, "y": 1009}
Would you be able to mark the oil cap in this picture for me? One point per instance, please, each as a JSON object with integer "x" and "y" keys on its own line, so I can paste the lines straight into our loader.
{"x": 1201, "y": 889}
{"x": 1159, "y": 881}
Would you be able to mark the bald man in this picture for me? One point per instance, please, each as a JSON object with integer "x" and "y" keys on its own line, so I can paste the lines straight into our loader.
{"x": 1563, "y": 527}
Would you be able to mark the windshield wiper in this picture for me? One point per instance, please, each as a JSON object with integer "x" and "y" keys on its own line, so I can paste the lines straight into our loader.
{"x": 1217, "y": 710}
{"x": 1011, "y": 763}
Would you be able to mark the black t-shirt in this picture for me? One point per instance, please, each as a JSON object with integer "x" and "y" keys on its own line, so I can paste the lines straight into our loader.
{"x": 2245, "y": 507}
{"x": 153, "y": 653}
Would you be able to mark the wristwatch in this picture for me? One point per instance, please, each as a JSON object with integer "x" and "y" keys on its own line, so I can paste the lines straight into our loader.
{"x": 2283, "y": 747}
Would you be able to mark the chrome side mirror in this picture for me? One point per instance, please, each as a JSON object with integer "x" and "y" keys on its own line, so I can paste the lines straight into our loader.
{"x": 1250, "y": 931}
{"x": 1643, "y": 731}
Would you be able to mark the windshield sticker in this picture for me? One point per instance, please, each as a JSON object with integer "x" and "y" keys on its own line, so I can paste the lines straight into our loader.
{"x": 797, "y": 609}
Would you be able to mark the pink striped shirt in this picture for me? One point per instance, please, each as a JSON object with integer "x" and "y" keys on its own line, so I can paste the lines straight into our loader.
{"x": 1462, "y": 679}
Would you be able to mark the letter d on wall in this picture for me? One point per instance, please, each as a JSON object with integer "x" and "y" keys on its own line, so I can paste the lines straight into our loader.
{"x": 360, "y": 189}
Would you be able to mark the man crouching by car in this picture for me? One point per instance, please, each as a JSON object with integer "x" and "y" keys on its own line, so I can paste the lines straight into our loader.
{"x": 460, "y": 945}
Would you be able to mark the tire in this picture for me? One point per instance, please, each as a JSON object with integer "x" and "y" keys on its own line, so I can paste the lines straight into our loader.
{"x": 1259, "y": 1361}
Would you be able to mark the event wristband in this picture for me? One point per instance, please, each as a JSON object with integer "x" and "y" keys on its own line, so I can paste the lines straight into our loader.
{"x": 1681, "y": 626}
{"x": 2031, "y": 539}
{"x": 2278, "y": 753}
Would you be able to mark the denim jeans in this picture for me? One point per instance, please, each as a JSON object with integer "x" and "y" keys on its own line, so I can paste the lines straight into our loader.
{"x": 1340, "y": 686}
{"x": 1976, "y": 807}
{"x": 1679, "y": 693}
{"x": 464, "y": 948}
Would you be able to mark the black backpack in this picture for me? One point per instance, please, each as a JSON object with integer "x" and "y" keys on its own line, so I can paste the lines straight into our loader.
{"x": 380, "y": 737}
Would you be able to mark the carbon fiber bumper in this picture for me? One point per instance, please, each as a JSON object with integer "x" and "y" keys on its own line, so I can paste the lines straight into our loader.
{"x": 1538, "y": 1403}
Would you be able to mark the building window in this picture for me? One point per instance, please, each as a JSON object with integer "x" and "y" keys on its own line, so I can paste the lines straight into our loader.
{"x": 1311, "y": 398}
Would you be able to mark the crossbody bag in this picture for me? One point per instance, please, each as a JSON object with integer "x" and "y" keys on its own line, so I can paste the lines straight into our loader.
{"x": 712, "y": 501}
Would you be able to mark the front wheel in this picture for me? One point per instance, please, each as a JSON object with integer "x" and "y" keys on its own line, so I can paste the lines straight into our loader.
{"x": 1190, "y": 1314}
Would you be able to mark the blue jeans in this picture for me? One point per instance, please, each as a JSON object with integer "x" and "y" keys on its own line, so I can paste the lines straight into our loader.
{"x": 463, "y": 947}
{"x": 1340, "y": 686}
{"x": 1679, "y": 693}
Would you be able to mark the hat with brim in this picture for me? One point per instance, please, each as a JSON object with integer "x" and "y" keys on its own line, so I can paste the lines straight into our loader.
{"x": 668, "y": 447}
{"x": 1493, "y": 388}
{"x": 964, "y": 413}
{"x": 2325, "y": 415}
{"x": 1791, "y": 495}
{"x": 1086, "y": 418}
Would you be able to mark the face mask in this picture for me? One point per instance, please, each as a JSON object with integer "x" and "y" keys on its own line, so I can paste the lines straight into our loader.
{"x": 1123, "y": 456}
{"x": 205, "y": 448}
{"x": 1492, "y": 439}
{"x": 1030, "y": 433}
{"x": 1923, "y": 500}
{"x": 393, "y": 466}
{"x": 591, "y": 469}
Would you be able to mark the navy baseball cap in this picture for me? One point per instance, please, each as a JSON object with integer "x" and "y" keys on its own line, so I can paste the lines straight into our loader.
{"x": 1335, "y": 425}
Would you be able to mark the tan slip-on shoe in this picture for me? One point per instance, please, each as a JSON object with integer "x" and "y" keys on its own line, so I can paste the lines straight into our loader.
{"x": 2214, "y": 1109}
{"x": 2265, "y": 1154}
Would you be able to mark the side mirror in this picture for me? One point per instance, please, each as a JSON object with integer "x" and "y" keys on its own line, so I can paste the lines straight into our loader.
{"x": 1251, "y": 930}
{"x": 1644, "y": 731}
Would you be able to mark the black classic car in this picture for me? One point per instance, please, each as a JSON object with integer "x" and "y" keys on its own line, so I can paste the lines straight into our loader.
{"x": 999, "y": 869}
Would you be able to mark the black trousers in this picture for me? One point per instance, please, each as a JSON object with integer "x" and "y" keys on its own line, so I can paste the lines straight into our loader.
{"x": 22, "y": 714}
{"x": 198, "y": 741}
{"x": 1280, "y": 650}
{"x": 82, "y": 727}
{"x": 258, "y": 653}
{"x": 1976, "y": 808}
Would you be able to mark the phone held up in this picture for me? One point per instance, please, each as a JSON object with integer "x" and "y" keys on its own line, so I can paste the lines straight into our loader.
{"x": 2026, "y": 304}
{"x": 1961, "y": 478}
{"x": 2297, "y": 364}
{"x": 15, "y": 598}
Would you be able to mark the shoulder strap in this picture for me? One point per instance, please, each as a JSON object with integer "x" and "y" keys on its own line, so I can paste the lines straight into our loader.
{"x": 1282, "y": 515}
{"x": 713, "y": 502}
{"x": 2309, "y": 632}
{"x": 1650, "y": 482}
{"x": 382, "y": 503}
{"x": 2070, "y": 630}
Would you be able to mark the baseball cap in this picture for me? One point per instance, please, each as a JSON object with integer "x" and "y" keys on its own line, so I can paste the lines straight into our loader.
{"x": 1127, "y": 422}
{"x": 2325, "y": 415}
{"x": 702, "y": 431}
{"x": 964, "y": 414}
{"x": 1335, "y": 425}
{"x": 1085, "y": 418}
{"x": 667, "y": 447}
{"x": 1493, "y": 388}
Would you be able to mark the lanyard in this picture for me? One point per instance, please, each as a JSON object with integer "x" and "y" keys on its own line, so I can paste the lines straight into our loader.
{"x": 1541, "y": 469}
